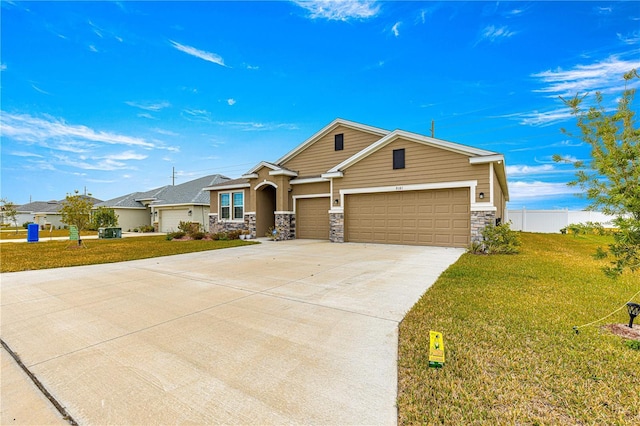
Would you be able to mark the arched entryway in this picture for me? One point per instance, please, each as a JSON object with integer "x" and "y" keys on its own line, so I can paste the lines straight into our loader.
{"x": 266, "y": 206}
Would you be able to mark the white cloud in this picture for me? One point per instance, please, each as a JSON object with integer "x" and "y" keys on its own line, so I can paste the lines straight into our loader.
{"x": 633, "y": 38}
{"x": 165, "y": 132}
{"x": 522, "y": 169}
{"x": 340, "y": 10}
{"x": 146, "y": 115}
{"x": 604, "y": 76}
{"x": 395, "y": 27}
{"x": 492, "y": 33}
{"x": 204, "y": 55}
{"x": 256, "y": 126}
{"x": 537, "y": 189}
{"x": 93, "y": 48}
{"x": 252, "y": 67}
{"x": 3, "y": 67}
{"x": 34, "y": 130}
{"x": 37, "y": 89}
{"x": 25, "y": 154}
{"x": 149, "y": 106}
{"x": 231, "y": 101}
{"x": 127, "y": 155}
{"x": 199, "y": 115}
{"x": 546, "y": 118}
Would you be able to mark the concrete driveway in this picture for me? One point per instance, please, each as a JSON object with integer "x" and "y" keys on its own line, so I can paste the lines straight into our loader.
{"x": 298, "y": 332}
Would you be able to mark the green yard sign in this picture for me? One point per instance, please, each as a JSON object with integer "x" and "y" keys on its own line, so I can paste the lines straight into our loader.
{"x": 73, "y": 233}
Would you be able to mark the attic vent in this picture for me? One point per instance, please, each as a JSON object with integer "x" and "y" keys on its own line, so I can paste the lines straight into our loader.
{"x": 339, "y": 142}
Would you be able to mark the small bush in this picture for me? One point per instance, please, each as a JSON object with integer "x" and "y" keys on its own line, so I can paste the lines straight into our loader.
{"x": 26, "y": 225}
{"x": 272, "y": 233}
{"x": 198, "y": 235}
{"x": 500, "y": 239}
{"x": 234, "y": 235}
{"x": 189, "y": 227}
{"x": 176, "y": 235}
{"x": 633, "y": 344}
{"x": 220, "y": 236}
{"x": 145, "y": 228}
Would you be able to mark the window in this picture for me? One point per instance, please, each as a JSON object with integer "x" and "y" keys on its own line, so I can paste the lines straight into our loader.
{"x": 339, "y": 142}
{"x": 232, "y": 205}
{"x": 398, "y": 158}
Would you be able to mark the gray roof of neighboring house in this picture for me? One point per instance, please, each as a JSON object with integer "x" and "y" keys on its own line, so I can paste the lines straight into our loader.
{"x": 52, "y": 206}
{"x": 186, "y": 193}
{"x": 230, "y": 182}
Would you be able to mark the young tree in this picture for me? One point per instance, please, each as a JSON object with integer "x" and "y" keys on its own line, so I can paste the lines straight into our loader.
{"x": 104, "y": 217}
{"x": 10, "y": 212}
{"x": 76, "y": 211}
{"x": 611, "y": 180}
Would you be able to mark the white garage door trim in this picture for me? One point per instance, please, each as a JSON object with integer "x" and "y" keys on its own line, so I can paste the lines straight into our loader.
{"x": 296, "y": 197}
{"x": 471, "y": 184}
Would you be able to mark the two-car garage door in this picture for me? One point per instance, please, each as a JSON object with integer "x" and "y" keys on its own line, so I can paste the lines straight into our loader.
{"x": 431, "y": 217}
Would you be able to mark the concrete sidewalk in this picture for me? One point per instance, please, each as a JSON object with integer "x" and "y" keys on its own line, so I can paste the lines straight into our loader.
{"x": 301, "y": 332}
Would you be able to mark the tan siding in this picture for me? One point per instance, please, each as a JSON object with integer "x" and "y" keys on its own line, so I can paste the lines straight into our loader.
{"x": 322, "y": 156}
{"x": 423, "y": 164}
{"x": 311, "y": 188}
{"x": 498, "y": 197}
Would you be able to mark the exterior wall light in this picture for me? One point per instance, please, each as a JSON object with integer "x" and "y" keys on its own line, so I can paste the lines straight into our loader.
{"x": 336, "y": 201}
{"x": 634, "y": 311}
{"x": 481, "y": 195}
{"x": 190, "y": 212}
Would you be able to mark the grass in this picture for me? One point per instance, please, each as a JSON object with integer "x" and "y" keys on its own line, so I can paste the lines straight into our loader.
{"x": 511, "y": 354}
{"x": 11, "y": 234}
{"x": 45, "y": 254}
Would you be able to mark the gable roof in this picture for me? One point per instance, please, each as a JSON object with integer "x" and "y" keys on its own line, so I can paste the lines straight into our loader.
{"x": 192, "y": 192}
{"x": 229, "y": 184}
{"x": 414, "y": 137}
{"x": 326, "y": 129}
{"x": 52, "y": 206}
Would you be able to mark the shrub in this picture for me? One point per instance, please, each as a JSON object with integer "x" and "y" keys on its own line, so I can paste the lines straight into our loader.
{"x": 234, "y": 235}
{"x": 26, "y": 225}
{"x": 220, "y": 236}
{"x": 500, "y": 239}
{"x": 272, "y": 233}
{"x": 146, "y": 228}
{"x": 189, "y": 227}
{"x": 585, "y": 228}
{"x": 175, "y": 235}
{"x": 198, "y": 235}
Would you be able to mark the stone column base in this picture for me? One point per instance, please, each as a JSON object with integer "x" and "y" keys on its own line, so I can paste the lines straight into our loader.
{"x": 286, "y": 226}
{"x": 480, "y": 220}
{"x": 336, "y": 227}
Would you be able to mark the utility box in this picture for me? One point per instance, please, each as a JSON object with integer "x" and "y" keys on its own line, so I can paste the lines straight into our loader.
{"x": 32, "y": 232}
{"x": 109, "y": 233}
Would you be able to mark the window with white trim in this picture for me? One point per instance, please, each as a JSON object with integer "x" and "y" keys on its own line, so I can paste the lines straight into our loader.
{"x": 232, "y": 205}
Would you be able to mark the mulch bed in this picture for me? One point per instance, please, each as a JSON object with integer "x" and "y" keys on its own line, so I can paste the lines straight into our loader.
{"x": 623, "y": 330}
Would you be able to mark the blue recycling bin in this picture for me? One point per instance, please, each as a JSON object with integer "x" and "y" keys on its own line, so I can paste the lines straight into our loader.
{"x": 32, "y": 233}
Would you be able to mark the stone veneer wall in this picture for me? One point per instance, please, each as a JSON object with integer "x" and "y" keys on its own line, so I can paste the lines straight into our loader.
{"x": 336, "y": 227}
{"x": 250, "y": 224}
{"x": 286, "y": 226}
{"x": 216, "y": 226}
{"x": 479, "y": 220}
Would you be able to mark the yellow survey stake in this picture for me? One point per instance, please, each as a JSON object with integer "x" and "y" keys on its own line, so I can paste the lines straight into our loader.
{"x": 436, "y": 349}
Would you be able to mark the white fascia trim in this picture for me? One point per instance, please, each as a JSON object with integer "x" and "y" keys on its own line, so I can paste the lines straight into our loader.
{"x": 483, "y": 207}
{"x": 246, "y": 213}
{"x": 213, "y": 214}
{"x": 333, "y": 174}
{"x": 227, "y": 187}
{"x": 308, "y": 180}
{"x": 337, "y": 210}
{"x": 261, "y": 165}
{"x": 161, "y": 206}
{"x": 297, "y": 197}
{"x": 283, "y": 172}
{"x": 263, "y": 183}
{"x": 471, "y": 184}
{"x": 494, "y": 158}
{"x": 283, "y": 212}
{"x": 326, "y": 129}
{"x": 250, "y": 176}
{"x": 491, "y": 183}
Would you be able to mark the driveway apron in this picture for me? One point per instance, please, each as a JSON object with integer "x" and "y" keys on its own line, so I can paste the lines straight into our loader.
{"x": 296, "y": 332}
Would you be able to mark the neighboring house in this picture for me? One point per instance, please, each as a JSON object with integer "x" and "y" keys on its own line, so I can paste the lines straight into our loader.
{"x": 165, "y": 207}
{"x": 44, "y": 213}
{"x": 353, "y": 182}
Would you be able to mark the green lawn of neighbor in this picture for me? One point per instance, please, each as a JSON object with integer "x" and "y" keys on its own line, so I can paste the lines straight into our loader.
{"x": 512, "y": 356}
{"x": 54, "y": 254}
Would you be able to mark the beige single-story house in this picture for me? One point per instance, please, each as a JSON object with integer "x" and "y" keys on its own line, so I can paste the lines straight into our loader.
{"x": 352, "y": 182}
{"x": 165, "y": 207}
{"x": 44, "y": 213}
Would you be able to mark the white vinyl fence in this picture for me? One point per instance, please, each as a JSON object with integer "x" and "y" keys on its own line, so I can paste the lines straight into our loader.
{"x": 552, "y": 221}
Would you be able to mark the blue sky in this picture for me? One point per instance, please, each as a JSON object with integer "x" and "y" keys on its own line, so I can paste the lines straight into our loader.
{"x": 112, "y": 95}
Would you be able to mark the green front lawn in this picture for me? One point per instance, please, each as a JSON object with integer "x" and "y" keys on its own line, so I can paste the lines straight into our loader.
{"x": 55, "y": 254}
{"x": 512, "y": 356}
{"x": 43, "y": 234}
